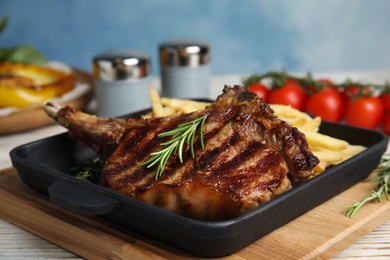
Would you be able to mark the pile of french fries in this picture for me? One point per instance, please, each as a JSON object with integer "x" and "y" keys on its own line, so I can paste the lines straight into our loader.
{"x": 329, "y": 150}
{"x": 162, "y": 106}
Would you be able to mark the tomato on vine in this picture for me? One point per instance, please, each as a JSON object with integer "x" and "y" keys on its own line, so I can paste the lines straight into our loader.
{"x": 260, "y": 90}
{"x": 291, "y": 93}
{"x": 327, "y": 82}
{"x": 365, "y": 111}
{"x": 355, "y": 90}
{"x": 364, "y": 105}
{"x": 386, "y": 123}
{"x": 385, "y": 97}
{"x": 327, "y": 104}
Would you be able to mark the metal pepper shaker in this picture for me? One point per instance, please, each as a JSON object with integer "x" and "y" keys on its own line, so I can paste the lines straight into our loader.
{"x": 185, "y": 69}
{"x": 122, "y": 80}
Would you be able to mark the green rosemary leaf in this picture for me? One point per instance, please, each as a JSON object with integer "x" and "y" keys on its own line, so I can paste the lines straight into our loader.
{"x": 382, "y": 189}
{"x": 190, "y": 140}
{"x": 201, "y": 132}
{"x": 89, "y": 170}
{"x": 181, "y": 144}
{"x": 183, "y": 133}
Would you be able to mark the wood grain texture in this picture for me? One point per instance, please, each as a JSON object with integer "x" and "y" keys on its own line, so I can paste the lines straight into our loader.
{"x": 375, "y": 245}
{"x": 22, "y": 245}
{"x": 321, "y": 233}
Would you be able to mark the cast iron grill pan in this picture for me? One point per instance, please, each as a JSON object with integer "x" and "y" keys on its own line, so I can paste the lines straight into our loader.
{"x": 45, "y": 165}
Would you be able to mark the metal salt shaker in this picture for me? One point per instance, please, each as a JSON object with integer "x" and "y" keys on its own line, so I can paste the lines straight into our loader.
{"x": 122, "y": 80}
{"x": 185, "y": 69}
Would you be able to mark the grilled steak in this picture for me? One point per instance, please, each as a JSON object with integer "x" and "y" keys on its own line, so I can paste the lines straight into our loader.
{"x": 249, "y": 157}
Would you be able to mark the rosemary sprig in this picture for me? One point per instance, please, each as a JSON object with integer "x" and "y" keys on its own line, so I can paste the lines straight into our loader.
{"x": 382, "y": 189}
{"x": 183, "y": 133}
{"x": 89, "y": 170}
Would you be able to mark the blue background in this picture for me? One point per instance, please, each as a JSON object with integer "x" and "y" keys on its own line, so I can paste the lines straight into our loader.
{"x": 245, "y": 36}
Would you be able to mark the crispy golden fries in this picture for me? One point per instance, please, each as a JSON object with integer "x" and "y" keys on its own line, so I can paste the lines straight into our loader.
{"x": 295, "y": 117}
{"x": 158, "y": 110}
{"x": 162, "y": 106}
{"x": 329, "y": 150}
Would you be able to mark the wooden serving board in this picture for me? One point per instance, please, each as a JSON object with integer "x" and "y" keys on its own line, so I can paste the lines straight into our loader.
{"x": 321, "y": 233}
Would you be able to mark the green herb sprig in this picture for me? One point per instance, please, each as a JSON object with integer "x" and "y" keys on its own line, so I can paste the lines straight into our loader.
{"x": 89, "y": 170}
{"x": 183, "y": 133}
{"x": 20, "y": 54}
{"x": 382, "y": 189}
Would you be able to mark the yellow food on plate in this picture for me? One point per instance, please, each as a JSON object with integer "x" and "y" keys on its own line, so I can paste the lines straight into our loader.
{"x": 329, "y": 150}
{"x": 24, "y": 85}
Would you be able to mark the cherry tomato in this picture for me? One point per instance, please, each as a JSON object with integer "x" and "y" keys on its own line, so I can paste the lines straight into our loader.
{"x": 328, "y": 82}
{"x": 386, "y": 124}
{"x": 354, "y": 91}
{"x": 366, "y": 112}
{"x": 327, "y": 103}
{"x": 386, "y": 100}
{"x": 260, "y": 89}
{"x": 290, "y": 94}
{"x": 314, "y": 88}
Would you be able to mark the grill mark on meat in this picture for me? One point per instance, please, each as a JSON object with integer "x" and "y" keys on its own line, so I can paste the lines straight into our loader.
{"x": 261, "y": 185}
{"x": 263, "y": 161}
{"x": 142, "y": 139}
{"x": 226, "y": 166}
{"x": 239, "y": 178}
{"x": 206, "y": 161}
{"x": 134, "y": 137}
{"x": 136, "y": 176}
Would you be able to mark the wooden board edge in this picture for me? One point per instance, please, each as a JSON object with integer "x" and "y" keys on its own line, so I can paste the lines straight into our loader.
{"x": 108, "y": 240}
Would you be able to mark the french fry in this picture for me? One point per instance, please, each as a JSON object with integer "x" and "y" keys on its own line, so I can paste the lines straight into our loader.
{"x": 183, "y": 105}
{"x": 158, "y": 109}
{"x": 297, "y": 122}
{"x": 296, "y": 117}
{"x": 320, "y": 167}
{"x": 331, "y": 157}
{"x": 156, "y": 102}
{"x": 312, "y": 125}
{"x": 288, "y": 112}
{"x": 316, "y": 139}
{"x": 352, "y": 150}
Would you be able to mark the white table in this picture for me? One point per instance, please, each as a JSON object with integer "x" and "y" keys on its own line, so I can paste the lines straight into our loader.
{"x": 16, "y": 243}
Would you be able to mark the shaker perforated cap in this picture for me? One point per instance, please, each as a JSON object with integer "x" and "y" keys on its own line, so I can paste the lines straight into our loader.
{"x": 189, "y": 53}
{"x": 121, "y": 65}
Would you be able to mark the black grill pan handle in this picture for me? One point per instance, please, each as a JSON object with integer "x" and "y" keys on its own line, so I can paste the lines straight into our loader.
{"x": 81, "y": 199}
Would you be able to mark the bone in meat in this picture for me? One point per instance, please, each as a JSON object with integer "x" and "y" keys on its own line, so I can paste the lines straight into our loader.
{"x": 250, "y": 156}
